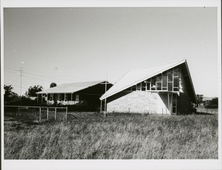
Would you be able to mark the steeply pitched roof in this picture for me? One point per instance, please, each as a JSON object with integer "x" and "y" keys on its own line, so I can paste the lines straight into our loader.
{"x": 70, "y": 87}
{"x": 133, "y": 77}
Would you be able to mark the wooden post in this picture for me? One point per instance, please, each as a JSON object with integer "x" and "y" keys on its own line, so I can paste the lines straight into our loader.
{"x": 39, "y": 114}
{"x": 101, "y": 106}
{"x": 66, "y": 113}
{"x": 47, "y": 113}
{"x": 37, "y": 98}
{"x": 55, "y": 113}
{"x": 168, "y": 102}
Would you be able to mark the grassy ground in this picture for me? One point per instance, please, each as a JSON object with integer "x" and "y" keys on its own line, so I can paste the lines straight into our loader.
{"x": 118, "y": 136}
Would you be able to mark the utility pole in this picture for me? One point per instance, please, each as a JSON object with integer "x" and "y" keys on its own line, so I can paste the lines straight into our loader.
{"x": 21, "y": 81}
{"x": 105, "y": 92}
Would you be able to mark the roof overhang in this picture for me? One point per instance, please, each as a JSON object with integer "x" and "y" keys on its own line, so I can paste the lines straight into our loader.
{"x": 71, "y": 87}
{"x": 146, "y": 74}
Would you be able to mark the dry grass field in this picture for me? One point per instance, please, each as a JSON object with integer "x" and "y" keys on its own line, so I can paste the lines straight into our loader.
{"x": 117, "y": 136}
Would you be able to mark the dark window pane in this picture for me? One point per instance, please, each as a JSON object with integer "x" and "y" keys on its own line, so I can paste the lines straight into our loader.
{"x": 170, "y": 86}
{"x": 68, "y": 96}
{"x": 170, "y": 76}
{"x": 176, "y": 71}
{"x": 176, "y": 83}
{"x": 153, "y": 83}
{"x": 143, "y": 86}
{"x": 158, "y": 78}
{"x": 148, "y": 86}
{"x": 164, "y": 81}
{"x": 158, "y": 86}
{"x": 134, "y": 88}
{"x": 138, "y": 87}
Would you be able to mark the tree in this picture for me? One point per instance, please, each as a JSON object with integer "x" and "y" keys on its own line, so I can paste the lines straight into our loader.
{"x": 212, "y": 103}
{"x": 53, "y": 85}
{"x": 9, "y": 95}
{"x": 33, "y": 90}
{"x": 199, "y": 99}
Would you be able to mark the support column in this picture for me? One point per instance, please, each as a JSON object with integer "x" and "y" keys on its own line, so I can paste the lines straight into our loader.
{"x": 101, "y": 106}
{"x": 41, "y": 98}
{"x": 168, "y": 102}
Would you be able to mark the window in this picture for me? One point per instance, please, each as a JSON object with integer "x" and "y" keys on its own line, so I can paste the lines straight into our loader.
{"x": 138, "y": 87}
{"x": 169, "y": 75}
{"x": 176, "y": 71}
{"x": 143, "y": 86}
{"x": 170, "y": 86}
{"x": 148, "y": 86}
{"x": 77, "y": 97}
{"x": 153, "y": 83}
{"x": 134, "y": 88}
{"x": 68, "y": 97}
{"x": 159, "y": 86}
{"x": 164, "y": 81}
{"x": 159, "y": 81}
{"x": 176, "y": 83}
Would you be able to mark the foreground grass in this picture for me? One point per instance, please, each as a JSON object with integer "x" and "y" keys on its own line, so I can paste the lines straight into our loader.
{"x": 116, "y": 137}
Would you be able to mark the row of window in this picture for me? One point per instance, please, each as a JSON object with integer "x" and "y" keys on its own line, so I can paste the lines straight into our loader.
{"x": 65, "y": 97}
{"x": 168, "y": 80}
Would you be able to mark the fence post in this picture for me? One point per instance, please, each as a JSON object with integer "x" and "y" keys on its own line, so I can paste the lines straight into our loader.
{"x": 47, "y": 113}
{"x": 66, "y": 113}
{"x": 39, "y": 114}
{"x": 55, "y": 113}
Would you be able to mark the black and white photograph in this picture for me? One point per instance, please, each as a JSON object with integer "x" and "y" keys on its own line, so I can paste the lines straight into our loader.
{"x": 131, "y": 85}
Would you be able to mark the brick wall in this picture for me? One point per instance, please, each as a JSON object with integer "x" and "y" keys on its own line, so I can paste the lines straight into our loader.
{"x": 138, "y": 102}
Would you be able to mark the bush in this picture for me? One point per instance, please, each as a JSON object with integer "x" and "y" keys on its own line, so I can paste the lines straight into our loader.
{"x": 212, "y": 103}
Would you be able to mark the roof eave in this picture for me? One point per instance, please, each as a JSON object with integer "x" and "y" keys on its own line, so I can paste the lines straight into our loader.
{"x": 159, "y": 72}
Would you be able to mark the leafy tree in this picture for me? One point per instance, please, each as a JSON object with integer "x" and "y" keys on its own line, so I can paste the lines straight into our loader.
{"x": 9, "y": 95}
{"x": 199, "y": 99}
{"x": 32, "y": 91}
{"x": 53, "y": 85}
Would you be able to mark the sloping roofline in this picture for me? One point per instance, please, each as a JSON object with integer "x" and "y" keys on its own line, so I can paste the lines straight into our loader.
{"x": 133, "y": 77}
{"x": 70, "y": 87}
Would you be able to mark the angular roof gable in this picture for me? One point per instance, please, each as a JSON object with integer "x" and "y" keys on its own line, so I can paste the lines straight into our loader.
{"x": 133, "y": 77}
{"x": 70, "y": 87}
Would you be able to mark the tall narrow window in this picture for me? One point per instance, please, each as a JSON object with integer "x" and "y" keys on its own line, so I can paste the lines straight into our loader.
{"x": 159, "y": 81}
{"x": 153, "y": 83}
{"x": 164, "y": 81}
{"x": 143, "y": 86}
{"x": 148, "y": 85}
{"x": 170, "y": 86}
{"x": 169, "y": 75}
{"x": 176, "y": 84}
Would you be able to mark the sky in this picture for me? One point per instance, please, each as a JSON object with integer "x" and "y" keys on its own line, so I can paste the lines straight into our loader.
{"x": 79, "y": 44}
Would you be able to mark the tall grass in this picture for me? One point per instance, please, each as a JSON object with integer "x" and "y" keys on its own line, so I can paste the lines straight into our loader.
{"x": 116, "y": 137}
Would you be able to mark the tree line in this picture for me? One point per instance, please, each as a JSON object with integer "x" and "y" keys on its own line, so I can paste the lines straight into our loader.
{"x": 30, "y": 97}
{"x": 213, "y": 103}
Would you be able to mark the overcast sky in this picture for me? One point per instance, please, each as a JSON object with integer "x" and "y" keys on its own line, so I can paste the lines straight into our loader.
{"x": 65, "y": 45}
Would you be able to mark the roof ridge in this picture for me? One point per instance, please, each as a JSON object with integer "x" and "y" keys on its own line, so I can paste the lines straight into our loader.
{"x": 176, "y": 61}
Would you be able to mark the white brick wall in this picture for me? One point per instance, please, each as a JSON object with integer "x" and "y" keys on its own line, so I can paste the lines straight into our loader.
{"x": 138, "y": 102}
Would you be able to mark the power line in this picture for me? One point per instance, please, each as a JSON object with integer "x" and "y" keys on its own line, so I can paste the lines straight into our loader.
{"x": 30, "y": 71}
{"x": 34, "y": 75}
